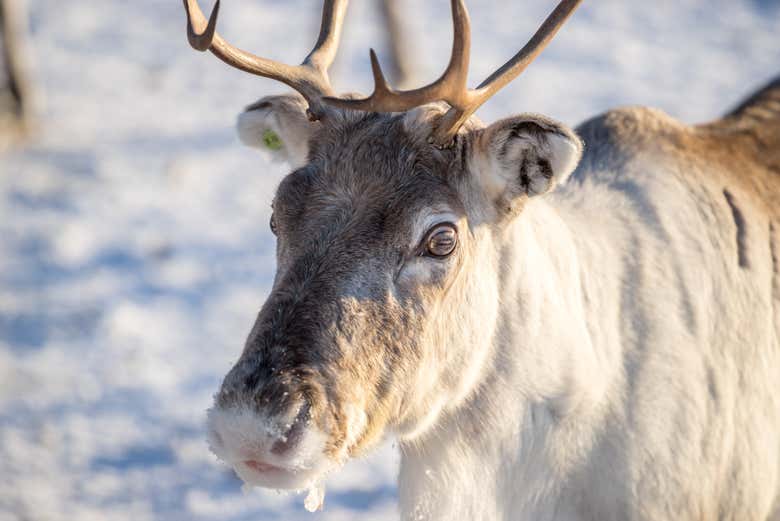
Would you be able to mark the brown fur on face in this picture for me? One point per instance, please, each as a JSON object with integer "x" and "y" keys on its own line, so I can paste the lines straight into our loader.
{"x": 343, "y": 326}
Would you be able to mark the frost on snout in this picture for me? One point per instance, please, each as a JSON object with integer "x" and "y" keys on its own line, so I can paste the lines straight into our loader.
{"x": 285, "y": 444}
{"x": 275, "y": 452}
{"x": 268, "y": 424}
{"x": 280, "y": 419}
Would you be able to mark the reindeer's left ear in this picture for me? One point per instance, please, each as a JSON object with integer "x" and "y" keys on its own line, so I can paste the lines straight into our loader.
{"x": 523, "y": 156}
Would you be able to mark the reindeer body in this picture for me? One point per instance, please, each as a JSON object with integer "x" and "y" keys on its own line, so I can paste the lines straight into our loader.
{"x": 599, "y": 349}
{"x": 608, "y": 350}
{"x": 647, "y": 387}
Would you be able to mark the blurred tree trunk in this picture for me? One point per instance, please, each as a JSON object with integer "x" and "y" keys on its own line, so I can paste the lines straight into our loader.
{"x": 401, "y": 65}
{"x": 14, "y": 83}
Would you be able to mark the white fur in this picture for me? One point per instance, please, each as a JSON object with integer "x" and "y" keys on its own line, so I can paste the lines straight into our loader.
{"x": 238, "y": 435}
{"x": 633, "y": 372}
{"x": 564, "y": 154}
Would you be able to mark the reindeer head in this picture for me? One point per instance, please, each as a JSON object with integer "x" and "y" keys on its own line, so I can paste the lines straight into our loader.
{"x": 385, "y": 302}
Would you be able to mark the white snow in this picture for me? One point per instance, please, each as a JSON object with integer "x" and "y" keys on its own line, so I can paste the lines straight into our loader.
{"x": 134, "y": 241}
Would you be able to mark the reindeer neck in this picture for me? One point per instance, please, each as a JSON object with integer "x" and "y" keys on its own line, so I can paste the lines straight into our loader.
{"x": 535, "y": 399}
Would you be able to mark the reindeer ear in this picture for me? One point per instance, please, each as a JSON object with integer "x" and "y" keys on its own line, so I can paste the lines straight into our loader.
{"x": 278, "y": 125}
{"x": 524, "y": 156}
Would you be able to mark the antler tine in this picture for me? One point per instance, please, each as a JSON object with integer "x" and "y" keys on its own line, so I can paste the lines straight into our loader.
{"x": 310, "y": 78}
{"x": 450, "y": 87}
{"x": 200, "y": 38}
{"x": 324, "y": 52}
{"x": 458, "y": 115}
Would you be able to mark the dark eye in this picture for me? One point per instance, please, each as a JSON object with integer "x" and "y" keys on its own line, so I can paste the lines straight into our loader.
{"x": 441, "y": 240}
{"x": 272, "y": 224}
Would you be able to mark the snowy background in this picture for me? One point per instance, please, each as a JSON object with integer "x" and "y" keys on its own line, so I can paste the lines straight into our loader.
{"x": 134, "y": 246}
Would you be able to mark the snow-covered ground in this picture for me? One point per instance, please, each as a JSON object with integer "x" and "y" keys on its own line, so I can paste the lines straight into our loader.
{"x": 134, "y": 246}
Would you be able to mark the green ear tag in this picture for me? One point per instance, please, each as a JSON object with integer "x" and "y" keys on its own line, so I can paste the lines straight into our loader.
{"x": 271, "y": 140}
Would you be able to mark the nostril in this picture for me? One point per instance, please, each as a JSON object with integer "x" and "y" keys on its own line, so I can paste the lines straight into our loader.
{"x": 292, "y": 437}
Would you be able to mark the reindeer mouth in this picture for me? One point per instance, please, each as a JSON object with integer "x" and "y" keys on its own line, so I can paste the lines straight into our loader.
{"x": 262, "y": 467}
{"x": 266, "y": 452}
{"x": 262, "y": 474}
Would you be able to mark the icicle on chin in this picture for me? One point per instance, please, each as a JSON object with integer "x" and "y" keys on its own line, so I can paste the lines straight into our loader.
{"x": 315, "y": 499}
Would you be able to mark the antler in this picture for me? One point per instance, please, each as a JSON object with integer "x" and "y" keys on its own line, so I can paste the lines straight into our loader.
{"x": 310, "y": 78}
{"x": 451, "y": 86}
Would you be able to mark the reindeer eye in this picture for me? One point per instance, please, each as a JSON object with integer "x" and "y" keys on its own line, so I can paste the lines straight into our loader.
{"x": 272, "y": 224}
{"x": 441, "y": 240}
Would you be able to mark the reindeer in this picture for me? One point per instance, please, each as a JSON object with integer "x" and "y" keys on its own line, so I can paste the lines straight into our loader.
{"x": 551, "y": 330}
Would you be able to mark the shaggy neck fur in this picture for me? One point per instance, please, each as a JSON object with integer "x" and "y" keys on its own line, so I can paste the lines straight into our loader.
{"x": 527, "y": 423}
{"x": 624, "y": 381}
